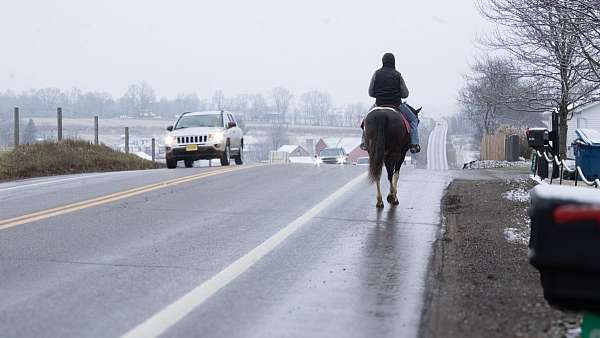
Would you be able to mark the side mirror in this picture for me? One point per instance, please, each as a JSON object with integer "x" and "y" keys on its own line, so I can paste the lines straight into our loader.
{"x": 231, "y": 125}
{"x": 170, "y": 128}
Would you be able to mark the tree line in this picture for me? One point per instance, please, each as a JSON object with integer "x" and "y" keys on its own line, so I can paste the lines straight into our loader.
{"x": 279, "y": 105}
{"x": 544, "y": 57}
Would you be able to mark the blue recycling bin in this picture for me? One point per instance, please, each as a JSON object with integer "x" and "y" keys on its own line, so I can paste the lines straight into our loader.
{"x": 587, "y": 152}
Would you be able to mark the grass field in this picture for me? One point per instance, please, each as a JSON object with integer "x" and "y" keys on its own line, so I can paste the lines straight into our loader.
{"x": 65, "y": 157}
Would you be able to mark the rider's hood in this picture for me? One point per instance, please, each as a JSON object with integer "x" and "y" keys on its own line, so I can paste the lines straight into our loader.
{"x": 389, "y": 60}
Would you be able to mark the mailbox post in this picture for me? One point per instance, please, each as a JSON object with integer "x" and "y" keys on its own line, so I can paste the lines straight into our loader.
{"x": 539, "y": 140}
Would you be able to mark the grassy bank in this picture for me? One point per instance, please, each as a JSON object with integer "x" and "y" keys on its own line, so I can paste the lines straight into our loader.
{"x": 65, "y": 157}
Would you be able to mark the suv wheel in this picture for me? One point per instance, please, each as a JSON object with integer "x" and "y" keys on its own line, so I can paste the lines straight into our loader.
{"x": 226, "y": 155}
{"x": 171, "y": 163}
{"x": 239, "y": 158}
{"x": 189, "y": 163}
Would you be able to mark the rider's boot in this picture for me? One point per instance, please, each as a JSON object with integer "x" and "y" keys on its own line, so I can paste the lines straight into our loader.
{"x": 414, "y": 148}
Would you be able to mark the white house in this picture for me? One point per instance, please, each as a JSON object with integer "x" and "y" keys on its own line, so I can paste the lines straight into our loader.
{"x": 294, "y": 150}
{"x": 587, "y": 117}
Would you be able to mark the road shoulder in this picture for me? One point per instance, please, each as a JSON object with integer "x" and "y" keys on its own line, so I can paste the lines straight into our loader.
{"x": 481, "y": 284}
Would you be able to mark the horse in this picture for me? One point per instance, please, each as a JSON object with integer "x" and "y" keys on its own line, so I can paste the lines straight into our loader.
{"x": 387, "y": 141}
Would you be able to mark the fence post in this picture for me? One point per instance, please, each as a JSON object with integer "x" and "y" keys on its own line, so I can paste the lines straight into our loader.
{"x": 153, "y": 149}
{"x": 16, "y": 128}
{"x": 127, "y": 140}
{"x": 96, "y": 140}
{"x": 59, "y": 123}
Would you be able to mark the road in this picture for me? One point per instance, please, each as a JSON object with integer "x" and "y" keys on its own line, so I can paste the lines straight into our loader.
{"x": 249, "y": 251}
{"x": 436, "y": 150}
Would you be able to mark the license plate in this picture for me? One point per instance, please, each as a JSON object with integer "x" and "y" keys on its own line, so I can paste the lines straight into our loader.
{"x": 191, "y": 147}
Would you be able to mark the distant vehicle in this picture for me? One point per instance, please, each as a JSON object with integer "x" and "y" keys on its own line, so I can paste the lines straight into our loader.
{"x": 204, "y": 136}
{"x": 333, "y": 156}
{"x": 361, "y": 161}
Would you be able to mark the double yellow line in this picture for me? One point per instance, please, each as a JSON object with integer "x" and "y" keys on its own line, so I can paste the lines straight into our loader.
{"x": 65, "y": 209}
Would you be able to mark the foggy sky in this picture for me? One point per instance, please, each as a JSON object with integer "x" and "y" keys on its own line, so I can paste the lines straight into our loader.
{"x": 243, "y": 46}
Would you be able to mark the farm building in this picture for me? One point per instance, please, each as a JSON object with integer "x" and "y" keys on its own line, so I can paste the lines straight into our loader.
{"x": 351, "y": 146}
{"x": 294, "y": 150}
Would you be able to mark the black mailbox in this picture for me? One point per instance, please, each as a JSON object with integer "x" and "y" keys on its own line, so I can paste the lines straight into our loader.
{"x": 565, "y": 245}
{"x": 538, "y": 138}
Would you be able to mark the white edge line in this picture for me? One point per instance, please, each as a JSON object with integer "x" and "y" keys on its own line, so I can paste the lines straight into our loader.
{"x": 173, "y": 313}
{"x": 52, "y": 181}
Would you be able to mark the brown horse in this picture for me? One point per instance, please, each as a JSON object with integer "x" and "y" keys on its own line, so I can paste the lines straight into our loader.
{"x": 387, "y": 141}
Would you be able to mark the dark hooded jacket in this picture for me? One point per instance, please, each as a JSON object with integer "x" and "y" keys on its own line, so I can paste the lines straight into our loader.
{"x": 387, "y": 85}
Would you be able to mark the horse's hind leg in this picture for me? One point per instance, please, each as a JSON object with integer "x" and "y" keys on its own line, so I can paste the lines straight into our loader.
{"x": 379, "y": 204}
{"x": 392, "y": 198}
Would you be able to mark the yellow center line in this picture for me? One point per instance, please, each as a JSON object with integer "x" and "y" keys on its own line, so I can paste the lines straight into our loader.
{"x": 44, "y": 214}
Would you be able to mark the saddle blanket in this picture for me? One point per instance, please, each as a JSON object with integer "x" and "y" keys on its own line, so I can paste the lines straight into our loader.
{"x": 404, "y": 119}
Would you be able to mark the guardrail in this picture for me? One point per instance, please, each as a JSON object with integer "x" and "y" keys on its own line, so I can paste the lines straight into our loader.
{"x": 562, "y": 164}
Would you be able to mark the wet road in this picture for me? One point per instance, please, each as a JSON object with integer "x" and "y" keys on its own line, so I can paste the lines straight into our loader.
{"x": 436, "y": 150}
{"x": 252, "y": 251}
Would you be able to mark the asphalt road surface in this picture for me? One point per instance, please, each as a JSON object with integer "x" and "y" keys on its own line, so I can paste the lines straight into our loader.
{"x": 249, "y": 251}
{"x": 436, "y": 151}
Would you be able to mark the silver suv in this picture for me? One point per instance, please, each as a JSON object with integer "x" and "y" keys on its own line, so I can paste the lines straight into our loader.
{"x": 204, "y": 136}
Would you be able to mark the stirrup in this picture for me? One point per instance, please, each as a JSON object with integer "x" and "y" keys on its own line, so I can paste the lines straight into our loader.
{"x": 415, "y": 148}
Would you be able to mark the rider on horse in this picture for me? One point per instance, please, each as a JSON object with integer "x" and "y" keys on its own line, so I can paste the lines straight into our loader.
{"x": 388, "y": 89}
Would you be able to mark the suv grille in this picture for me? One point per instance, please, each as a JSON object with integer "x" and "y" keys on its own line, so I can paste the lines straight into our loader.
{"x": 192, "y": 139}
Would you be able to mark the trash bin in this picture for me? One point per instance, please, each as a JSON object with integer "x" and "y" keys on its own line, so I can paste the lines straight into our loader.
{"x": 587, "y": 152}
{"x": 512, "y": 148}
{"x": 565, "y": 232}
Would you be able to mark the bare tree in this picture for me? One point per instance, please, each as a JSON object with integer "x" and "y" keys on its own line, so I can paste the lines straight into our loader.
{"x": 584, "y": 18}
{"x": 495, "y": 94}
{"x": 316, "y": 106}
{"x": 218, "y": 100}
{"x": 257, "y": 107}
{"x": 354, "y": 114}
{"x": 538, "y": 35}
{"x": 139, "y": 99}
{"x": 282, "y": 99}
{"x": 278, "y": 134}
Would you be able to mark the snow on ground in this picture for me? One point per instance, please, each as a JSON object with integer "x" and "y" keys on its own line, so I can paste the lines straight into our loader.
{"x": 519, "y": 231}
{"x": 515, "y": 235}
{"x": 517, "y": 195}
{"x": 302, "y": 159}
{"x": 497, "y": 164}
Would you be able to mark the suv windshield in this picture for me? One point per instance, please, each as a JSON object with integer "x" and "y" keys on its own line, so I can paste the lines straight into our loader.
{"x": 192, "y": 121}
{"x": 330, "y": 152}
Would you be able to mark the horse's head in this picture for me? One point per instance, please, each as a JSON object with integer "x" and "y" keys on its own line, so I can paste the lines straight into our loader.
{"x": 415, "y": 111}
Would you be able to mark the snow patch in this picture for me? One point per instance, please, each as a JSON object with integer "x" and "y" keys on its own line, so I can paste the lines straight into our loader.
{"x": 517, "y": 195}
{"x": 515, "y": 235}
{"x": 489, "y": 164}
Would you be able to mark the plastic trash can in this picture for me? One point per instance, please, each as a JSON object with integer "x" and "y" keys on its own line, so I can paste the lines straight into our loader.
{"x": 587, "y": 152}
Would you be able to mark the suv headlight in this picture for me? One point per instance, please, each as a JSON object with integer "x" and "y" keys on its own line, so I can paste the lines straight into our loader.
{"x": 216, "y": 137}
{"x": 169, "y": 140}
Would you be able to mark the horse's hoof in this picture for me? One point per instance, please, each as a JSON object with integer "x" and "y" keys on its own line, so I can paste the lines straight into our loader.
{"x": 379, "y": 205}
{"x": 392, "y": 200}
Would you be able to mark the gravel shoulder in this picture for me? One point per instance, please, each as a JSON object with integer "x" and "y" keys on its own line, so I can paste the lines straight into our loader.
{"x": 481, "y": 282}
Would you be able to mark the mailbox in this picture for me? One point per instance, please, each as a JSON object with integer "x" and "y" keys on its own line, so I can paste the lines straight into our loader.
{"x": 538, "y": 138}
{"x": 565, "y": 245}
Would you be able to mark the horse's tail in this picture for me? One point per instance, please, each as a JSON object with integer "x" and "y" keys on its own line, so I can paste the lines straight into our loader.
{"x": 377, "y": 145}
